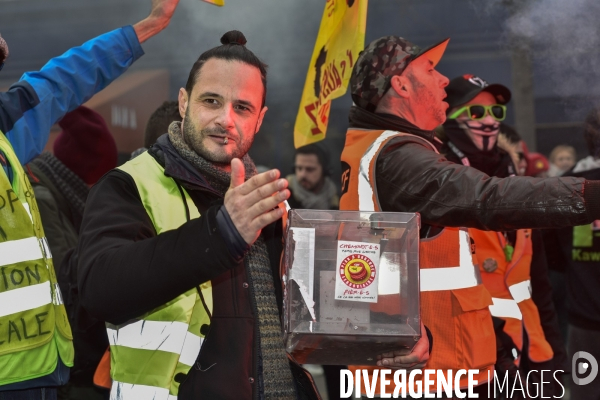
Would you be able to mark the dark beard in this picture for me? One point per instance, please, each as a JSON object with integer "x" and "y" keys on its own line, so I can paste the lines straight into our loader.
{"x": 195, "y": 140}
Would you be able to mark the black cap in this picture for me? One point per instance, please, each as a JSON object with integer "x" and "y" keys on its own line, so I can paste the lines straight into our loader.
{"x": 464, "y": 88}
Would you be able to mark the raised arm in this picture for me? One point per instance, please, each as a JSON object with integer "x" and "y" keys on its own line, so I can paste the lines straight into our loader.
{"x": 411, "y": 178}
{"x": 31, "y": 106}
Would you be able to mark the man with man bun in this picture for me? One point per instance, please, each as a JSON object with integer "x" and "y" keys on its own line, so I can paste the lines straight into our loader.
{"x": 180, "y": 247}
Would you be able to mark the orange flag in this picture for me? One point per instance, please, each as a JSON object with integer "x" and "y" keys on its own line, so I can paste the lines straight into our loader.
{"x": 341, "y": 38}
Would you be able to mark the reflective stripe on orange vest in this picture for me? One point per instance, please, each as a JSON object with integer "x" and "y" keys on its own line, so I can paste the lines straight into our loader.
{"x": 454, "y": 303}
{"x": 510, "y": 287}
{"x": 465, "y": 275}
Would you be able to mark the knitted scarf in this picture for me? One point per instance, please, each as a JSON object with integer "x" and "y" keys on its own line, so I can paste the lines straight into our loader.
{"x": 324, "y": 200}
{"x": 71, "y": 186}
{"x": 276, "y": 375}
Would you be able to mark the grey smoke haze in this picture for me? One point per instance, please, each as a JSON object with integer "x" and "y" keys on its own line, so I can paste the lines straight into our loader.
{"x": 282, "y": 33}
{"x": 565, "y": 39}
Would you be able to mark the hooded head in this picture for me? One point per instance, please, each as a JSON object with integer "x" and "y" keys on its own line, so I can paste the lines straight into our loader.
{"x": 85, "y": 145}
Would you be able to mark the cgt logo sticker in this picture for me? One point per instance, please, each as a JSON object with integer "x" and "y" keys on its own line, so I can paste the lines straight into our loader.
{"x": 583, "y": 364}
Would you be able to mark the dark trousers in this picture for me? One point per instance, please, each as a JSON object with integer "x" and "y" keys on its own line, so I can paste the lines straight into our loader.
{"x": 30, "y": 394}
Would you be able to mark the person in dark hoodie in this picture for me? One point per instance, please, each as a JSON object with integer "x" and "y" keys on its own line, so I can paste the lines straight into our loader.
{"x": 83, "y": 152}
{"x": 577, "y": 251}
{"x": 525, "y": 323}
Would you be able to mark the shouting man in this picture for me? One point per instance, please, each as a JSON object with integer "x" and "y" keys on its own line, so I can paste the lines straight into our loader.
{"x": 393, "y": 164}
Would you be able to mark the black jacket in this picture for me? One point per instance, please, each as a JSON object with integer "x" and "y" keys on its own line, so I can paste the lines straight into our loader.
{"x": 413, "y": 178}
{"x": 582, "y": 266}
{"x": 500, "y": 163}
{"x": 57, "y": 216}
{"x": 126, "y": 270}
{"x": 457, "y": 145}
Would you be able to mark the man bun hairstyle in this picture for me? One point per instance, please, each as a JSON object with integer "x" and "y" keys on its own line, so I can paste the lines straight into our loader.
{"x": 234, "y": 37}
{"x": 233, "y": 48}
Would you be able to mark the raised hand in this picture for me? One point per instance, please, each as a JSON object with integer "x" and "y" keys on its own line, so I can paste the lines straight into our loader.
{"x": 159, "y": 18}
{"x": 252, "y": 205}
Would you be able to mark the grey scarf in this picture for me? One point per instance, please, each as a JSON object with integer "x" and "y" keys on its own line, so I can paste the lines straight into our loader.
{"x": 324, "y": 200}
{"x": 276, "y": 375}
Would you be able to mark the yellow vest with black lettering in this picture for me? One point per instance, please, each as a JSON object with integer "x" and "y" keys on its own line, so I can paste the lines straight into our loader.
{"x": 34, "y": 329}
{"x": 454, "y": 302}
{"x": 151, "y": 355}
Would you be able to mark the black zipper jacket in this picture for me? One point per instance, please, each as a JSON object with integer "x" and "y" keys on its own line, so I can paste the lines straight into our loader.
{"x": 411, "y": 177}
{"x": 126, "y": 270}
{"x": 580, "y": 262}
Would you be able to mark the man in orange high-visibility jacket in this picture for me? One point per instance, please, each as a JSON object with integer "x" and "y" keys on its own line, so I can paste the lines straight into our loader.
{"x": 390, "y": 162}
{"x": 512, "y": 263}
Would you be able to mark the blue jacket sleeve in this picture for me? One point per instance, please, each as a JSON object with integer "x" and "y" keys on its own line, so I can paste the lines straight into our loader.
{"x": 31, "y": 106}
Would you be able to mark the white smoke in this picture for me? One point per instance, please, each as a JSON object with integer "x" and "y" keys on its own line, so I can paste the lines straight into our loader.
{"x": 564, "y": 37}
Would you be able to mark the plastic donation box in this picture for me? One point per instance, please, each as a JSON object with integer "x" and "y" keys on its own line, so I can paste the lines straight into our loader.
{"x": 351, "y": 285}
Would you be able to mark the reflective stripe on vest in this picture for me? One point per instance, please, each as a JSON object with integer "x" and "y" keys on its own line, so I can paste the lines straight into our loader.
{"x": 169, "y": 336}
{"x": 453, "y": 305}
{"x": 148, "y": 353}
{"x": 463, "y": 276}
{"x": 122, "y": 390}
{"x": 509, "y": 308}
{"x": 505, "y": 308}
{"x": 35, "y": 329}
{"x": 510, "y": 286}
{"x": 20, "y": 250}
{"x": 365, "y": 189}
{"x": 520, "y": 291}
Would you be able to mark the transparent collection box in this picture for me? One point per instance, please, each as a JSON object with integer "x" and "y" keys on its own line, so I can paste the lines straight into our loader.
{"x": 351, "y": 285}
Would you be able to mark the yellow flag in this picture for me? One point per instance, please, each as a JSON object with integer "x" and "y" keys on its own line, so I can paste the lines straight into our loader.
{"x": 341, "y": 38}
{"x": 216, "y": 2}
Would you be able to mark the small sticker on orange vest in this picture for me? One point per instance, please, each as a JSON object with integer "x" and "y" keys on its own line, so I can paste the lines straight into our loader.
{"x": 357, "y": 271}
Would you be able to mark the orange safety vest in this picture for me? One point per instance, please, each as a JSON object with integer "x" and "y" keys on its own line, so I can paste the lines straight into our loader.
{"x": 510, "y": 287}
{"x": 454, "y": 303}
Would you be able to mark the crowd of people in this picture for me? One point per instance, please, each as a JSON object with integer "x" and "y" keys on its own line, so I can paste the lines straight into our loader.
{"x": 160, "y": 278}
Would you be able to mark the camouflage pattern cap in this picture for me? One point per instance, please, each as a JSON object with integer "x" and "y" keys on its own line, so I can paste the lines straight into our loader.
{"x": 380, "y": 61}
